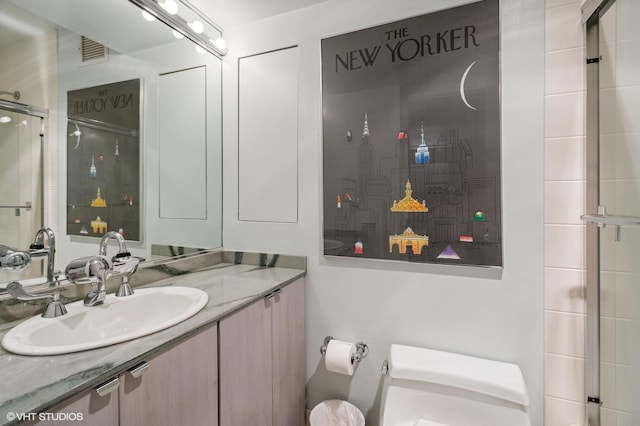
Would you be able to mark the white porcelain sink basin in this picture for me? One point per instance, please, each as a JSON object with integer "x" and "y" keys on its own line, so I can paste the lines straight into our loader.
{"x": 119, "y": 319}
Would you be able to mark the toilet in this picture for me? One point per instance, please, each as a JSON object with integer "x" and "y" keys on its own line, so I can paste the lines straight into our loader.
{"x": 425, "y": 387}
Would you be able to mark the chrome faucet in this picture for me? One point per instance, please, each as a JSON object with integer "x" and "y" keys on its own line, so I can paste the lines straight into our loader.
{"x": 14, "y": 260}
{"x": 123, "y": 263}
{"x": 94, "y": 270}
{"x": 37, "y": 249}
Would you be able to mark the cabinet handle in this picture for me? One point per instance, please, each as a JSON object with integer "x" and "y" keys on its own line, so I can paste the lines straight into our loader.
{"x": 139, "y": 369}
{"x": 274, "y": 293}
{"x": 107, "y": 387}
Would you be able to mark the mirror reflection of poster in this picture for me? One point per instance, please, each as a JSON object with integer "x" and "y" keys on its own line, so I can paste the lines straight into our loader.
{"x": 411, "y": 129}
{"x": 103, "y": 160}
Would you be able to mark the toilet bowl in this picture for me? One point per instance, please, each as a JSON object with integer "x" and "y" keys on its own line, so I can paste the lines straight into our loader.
{"x": 424, "y": 387}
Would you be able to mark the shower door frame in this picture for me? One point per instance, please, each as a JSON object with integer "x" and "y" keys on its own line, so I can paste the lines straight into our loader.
{"x": 42, "y": 114}
{"x": 596, "y": 216}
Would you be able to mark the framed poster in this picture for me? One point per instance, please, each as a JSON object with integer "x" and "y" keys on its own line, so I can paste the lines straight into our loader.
{"x": 411, "y": 139}
{"x": 103, "y": 160}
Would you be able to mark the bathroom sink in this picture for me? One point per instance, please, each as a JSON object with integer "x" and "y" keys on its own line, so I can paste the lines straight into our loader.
{"x": 118, "y": 320}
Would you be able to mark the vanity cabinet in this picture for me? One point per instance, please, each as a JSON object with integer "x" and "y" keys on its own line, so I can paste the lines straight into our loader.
{"x": 252, "y": 362}
{"x": 262, "y": 361}
{"x": 178, "y": 386}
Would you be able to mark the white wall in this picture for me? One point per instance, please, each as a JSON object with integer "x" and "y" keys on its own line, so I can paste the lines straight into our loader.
{"x": 469, "y": 310}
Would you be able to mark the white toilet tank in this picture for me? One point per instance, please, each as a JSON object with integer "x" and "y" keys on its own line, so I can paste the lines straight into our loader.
{"x": 424, "y": 387}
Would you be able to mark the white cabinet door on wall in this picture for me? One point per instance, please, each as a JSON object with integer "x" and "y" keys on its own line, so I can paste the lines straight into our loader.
{"x": 268, "y": 136}
{"x": 189, "y": 153}
{"x": 183, "y": 144}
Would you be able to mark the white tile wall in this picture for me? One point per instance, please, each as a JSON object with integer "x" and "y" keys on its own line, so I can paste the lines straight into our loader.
{"x": 564, "y": 159}
{"x": 564, "y": 115}
{"x": 564, "y": 277}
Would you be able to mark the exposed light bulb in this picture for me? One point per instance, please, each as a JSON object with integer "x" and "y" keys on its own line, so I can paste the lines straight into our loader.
{"x": 197, "y": 26}
{"x": 5, "y": 119}
{"x": 170, "y": 6}
{"x": 177, "y": 34}
{"x": 200, "y": 50}
{"x": 147, "y": 16}
{"x": 219, "y": 43}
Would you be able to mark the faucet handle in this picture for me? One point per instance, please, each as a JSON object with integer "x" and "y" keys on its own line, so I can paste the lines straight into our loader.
{"x": 38, "y": 250}
{"x": 14, "y": 260}
{"x": 88, "y": 270}
{"x": 55, "y": 308}
{"x": 16, "y": 290}
{"x": 125, "y": 266}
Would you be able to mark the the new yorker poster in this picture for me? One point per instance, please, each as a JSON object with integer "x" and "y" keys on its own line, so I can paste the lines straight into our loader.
{"x": 411, "y": 129}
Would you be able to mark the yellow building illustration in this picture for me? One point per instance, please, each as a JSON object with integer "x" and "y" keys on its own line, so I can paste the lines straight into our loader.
{"x": 98, "y": 226}
{"x": 98, "y": 201}
{"x": 408, "y": 238}
{"x": 409, "y": 204}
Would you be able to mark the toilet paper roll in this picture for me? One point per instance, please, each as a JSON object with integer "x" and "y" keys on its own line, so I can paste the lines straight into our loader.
{"x": 338, "y": 357}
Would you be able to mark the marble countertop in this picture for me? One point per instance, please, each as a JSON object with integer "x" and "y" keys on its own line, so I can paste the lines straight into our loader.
{"x": 35, "y": 384}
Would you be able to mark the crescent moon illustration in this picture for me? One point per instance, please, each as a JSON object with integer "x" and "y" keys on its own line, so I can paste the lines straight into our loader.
{"x": 464, "y": 77}
{"x": 76, "y": 133}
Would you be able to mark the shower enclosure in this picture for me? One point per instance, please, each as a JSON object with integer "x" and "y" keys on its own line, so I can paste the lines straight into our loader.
{"x": 21, "y": 179}
{"x": 613, "y": 207}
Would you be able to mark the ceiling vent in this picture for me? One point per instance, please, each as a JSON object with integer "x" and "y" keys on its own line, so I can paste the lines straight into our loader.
{"x": 93, "y": 51}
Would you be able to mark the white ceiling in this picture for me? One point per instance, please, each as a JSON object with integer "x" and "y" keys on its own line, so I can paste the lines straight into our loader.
{"x": 228, "y": 13}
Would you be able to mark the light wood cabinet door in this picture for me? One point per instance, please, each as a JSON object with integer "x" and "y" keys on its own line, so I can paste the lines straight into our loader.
{"x": 245, "y": 367}
{"x": 87, "y": 408}
{"x": 180, "y": 387}
{"x": 289, "y": 371}
{"x": 262, "y": 362}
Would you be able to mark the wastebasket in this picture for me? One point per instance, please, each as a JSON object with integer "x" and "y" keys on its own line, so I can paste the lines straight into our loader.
{"x": 335, "y": 412}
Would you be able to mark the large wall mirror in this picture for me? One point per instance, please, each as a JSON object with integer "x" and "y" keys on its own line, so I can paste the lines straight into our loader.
{"x": 50, "y": 49}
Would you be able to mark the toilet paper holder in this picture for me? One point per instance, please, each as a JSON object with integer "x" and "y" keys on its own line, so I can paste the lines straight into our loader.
{"x": 362, "y": 350}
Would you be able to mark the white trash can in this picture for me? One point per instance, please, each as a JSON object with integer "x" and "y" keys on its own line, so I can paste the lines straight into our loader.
{"x": 335, "y": 412}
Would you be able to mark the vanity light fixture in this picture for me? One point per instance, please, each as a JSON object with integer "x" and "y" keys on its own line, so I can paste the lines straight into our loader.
{"x": 197, "y": 26}
{"x": 194, "y": 30}
{"x": 5, "y": 119}
{"x": 147, "y": 16}
{"x": 170, "y": 6}
{"x": 219, "y": 43}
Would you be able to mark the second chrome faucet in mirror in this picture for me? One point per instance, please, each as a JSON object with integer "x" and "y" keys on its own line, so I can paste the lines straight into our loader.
{"x": 95, "y": 270}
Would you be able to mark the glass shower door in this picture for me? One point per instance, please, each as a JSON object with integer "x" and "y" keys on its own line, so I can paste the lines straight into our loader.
{"x": 619, "y": 198}
{"x": 20, "y": 184}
